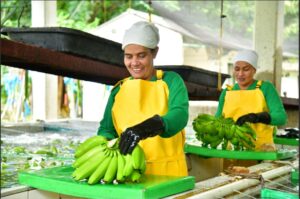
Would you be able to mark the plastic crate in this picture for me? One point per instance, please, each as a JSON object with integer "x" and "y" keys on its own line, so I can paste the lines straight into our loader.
{"x": 71, "y": 41}
{"x": 196, "y": 75}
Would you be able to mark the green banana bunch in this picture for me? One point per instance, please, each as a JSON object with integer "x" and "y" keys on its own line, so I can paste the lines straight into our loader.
{"x": 103, "y": 162}
{"x": 213, "y": 131}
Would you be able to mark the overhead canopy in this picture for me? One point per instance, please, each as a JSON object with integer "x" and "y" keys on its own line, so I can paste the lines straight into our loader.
{"x": 203, "y": 19}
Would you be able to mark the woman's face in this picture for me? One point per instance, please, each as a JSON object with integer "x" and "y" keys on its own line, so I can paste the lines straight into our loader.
{"x": 139, "y": 61}
{"x": 244, "y": 73}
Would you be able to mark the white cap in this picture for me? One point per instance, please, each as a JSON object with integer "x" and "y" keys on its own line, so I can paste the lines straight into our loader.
{"x": 249, "y": 56}
{"x": 142, "y": 33}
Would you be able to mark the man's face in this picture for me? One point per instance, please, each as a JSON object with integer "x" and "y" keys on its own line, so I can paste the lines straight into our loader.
{"x": 139, "y": 61}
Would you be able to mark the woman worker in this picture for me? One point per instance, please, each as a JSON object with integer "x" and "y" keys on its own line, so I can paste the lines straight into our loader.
{"x": 253, "y": 101}
{"x": 149, "y": 108}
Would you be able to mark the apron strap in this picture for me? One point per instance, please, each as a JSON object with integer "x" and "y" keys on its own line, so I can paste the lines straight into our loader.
{"x": 229, "y": 87}
{"x": 159, "y": 74}
{"x": 259, "y": 83}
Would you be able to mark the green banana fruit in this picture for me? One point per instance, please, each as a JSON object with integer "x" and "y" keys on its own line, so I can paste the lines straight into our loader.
{"x": 245, "y": 128}
{"x": 214, "y": 144}
{"x": 235, "y": 141}
{"x": 89, "y": 144}
{"x": 83, "y": 158}
{"x": 111, "y": 171}
{"x": 121, "y": 165}
{"x": 210, "y": 139}
{"x": 142, "y": 167}
{"x": 206, "y": 117}
{"x": 138, "y": 156}
{"x": 230, "y": 133}
{"x": 221, "y": 132}
{"x": 128, "y": 168}
{"x": 100, "y": 171}
{"x": 247, "y": 145}
{"x": 135, "y": 176}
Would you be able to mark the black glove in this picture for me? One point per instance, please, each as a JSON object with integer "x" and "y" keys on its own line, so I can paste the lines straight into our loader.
{"x": 132, "y": 135}
{"x": 262, "y": 117}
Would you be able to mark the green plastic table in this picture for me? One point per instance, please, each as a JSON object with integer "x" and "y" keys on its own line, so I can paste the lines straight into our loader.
{"x": 287, "y": 141}
{"x": 242, "y": 155}
{"x": 59, "y": 180}
{"x": 276, "y": 194}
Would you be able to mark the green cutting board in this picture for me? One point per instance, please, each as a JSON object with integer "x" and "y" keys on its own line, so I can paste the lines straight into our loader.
{"x": 241, "y": 155}
{"x": 59, "y": 180}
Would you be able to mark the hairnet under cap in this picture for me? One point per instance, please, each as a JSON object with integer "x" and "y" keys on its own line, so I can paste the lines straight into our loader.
{"x": 142, "y": 33}
{"x": 249, "y": 56}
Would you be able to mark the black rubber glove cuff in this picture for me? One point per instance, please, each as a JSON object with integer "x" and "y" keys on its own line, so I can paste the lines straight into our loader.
{"x": 262, "y": 117}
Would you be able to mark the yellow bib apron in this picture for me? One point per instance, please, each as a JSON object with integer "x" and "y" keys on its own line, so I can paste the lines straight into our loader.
{"x": 241, "y": 102}
{"x": 138, "y": 100}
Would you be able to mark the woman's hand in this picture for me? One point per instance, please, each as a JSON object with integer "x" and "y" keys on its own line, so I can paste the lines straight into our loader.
{"x": 132, "y": 135}
{"x": 262, "y": 117}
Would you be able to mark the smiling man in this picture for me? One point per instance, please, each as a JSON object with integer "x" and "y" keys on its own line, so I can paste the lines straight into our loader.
{"x": 149, "y": 108}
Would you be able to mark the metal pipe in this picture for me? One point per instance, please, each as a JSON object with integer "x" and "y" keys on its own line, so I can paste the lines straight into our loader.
{"x": 242, "y": 184}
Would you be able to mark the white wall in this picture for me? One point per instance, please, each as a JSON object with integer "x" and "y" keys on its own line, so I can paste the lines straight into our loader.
{"x": 94, "y": 100}
{"x": 44, "y": 86}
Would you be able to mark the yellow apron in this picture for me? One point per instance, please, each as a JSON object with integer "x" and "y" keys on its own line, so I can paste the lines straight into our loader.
{"x": 138, "y": 100}
{"x": 241, "y": 102}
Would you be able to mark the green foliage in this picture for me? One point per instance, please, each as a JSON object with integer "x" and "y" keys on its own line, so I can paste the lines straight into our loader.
{"x": 77, "y": 14}
{"x": 291, "y": 20}
{"x": 16, "y": 13}
{"x": 87, "y": 14}
{"x": 4, "y": 70}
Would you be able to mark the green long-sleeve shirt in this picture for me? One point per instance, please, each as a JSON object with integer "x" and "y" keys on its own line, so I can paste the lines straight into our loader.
{"x": 274, "y": 103}
{"x": 174, "y": 120}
